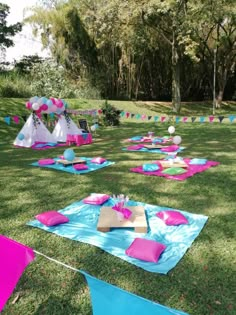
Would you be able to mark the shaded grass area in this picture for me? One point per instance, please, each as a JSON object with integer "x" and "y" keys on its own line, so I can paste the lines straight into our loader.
{"x": 202, "y": 282}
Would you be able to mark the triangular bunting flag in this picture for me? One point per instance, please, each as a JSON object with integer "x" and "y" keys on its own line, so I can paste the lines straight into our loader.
{"x": 231, "y": 118}
{"x": 193, "y": 119}
{"x": 122, "y": 114}
{"x": 163, "y": 118}
{"x": 24, "y": 117}
{"x": 132, "y": 115}
{"x": 185, "y": 119}
{"x": 138, "y": 116}
{"x": 14, "y": 258}
{"x": 127, "y": 115}
{"x": 221, "y": 118}
{"x": 156, "y": 118}
{"x": 211, "y": 118}
{"x": 177, "y": 119}
{"x": 7, "y": 120}
{"x": 16, "y": 119}
{"x": 149, "y": 117}
{"x": 109, "y": 299}
{"x": 99, "y": 111}
{"x": 202, "y": 119}
{"x": 144, "y": 117}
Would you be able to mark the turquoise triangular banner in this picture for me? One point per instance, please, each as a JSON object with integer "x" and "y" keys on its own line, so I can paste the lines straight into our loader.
{"x": 231, "y": 118}
{"x": 111, "y": 300}
{"x": 7, "y": 120}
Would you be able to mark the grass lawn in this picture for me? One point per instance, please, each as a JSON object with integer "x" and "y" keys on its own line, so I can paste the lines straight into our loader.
{"x": 202, "y": 283}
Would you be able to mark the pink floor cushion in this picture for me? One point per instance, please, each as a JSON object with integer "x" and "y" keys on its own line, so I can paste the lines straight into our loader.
{"x": 51, "y": 218}
{"x": 174, "y": 171}
{"x": 80, "y": 167}
{"x": 171, "y": 217}
{"x": 135, "y": 147}
{"x": 171, "y": 148}
{"x": 96, "y": 199}
{"x": 98, "y": 160}
{"x": 147, "y": 250}
{"x": 46, "y": 162}
{"x": 150, "y": 167}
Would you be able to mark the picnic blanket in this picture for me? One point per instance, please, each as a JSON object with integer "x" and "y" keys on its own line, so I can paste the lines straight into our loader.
{"x": 70, "y": 169}
{"x": 46, "y": 145}
{"x": 82, "y": 226}
{"x": 148, "y": 139}
{"x": 141, "y": 148}
{"x": 191, "y": 170}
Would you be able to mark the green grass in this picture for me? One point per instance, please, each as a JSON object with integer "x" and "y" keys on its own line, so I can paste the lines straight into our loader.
{"x": 202, "y": 283}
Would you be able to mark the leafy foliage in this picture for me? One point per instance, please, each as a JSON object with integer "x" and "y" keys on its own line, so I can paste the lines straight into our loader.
{"x": 6, "y": 32}
{"x": 111, "y": 115}
{"x": 50, "y": 79}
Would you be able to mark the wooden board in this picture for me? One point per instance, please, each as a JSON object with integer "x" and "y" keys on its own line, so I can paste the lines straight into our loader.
{"x": 167, "y": 164}
{"x": 154, "y": 146}
{"x": 75, "y": 161}
{"x": 108, "y": 219}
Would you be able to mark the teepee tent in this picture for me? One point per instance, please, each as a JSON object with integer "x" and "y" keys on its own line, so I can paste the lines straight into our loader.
{"x": 65, "y": 126}
{"x": 33, "y": 131}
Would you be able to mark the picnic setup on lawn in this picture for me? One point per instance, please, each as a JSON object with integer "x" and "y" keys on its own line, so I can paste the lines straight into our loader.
{"x": 151, "y": 237}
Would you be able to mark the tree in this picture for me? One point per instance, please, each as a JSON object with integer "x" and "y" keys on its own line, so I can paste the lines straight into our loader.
{"x": 215, "y": 31}
{"x": 6, "y": 32}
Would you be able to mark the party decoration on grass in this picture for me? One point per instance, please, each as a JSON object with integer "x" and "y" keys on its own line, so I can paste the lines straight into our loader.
{"x": 171, "y": 130}
{"x": 175, "y": 169}
{"x": 34, "y": 131}
{"x": 14, "y": 258}
{"x": 43, "y": 105}
{"x": 177, "y": 140}
{"x": 83, "y": 219}
{"x": 69, "y": 154}
{"x": 174, "y": 149}
{"x": 68, "y": 166}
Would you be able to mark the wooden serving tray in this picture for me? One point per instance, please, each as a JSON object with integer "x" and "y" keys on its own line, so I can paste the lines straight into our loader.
{"x": 75, "y": 161}
{"x": 167, "y": 164}
{"x": 108, "y": 219}
{"x": 155, "y": 146}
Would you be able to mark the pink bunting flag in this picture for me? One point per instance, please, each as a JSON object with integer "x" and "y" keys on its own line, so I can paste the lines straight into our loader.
{"x": 185, "y": 119}
{"x": 163, "y": 118}
{"x": 99, "y": 111}
{"x": 14, "y": 258}
{"x": 16, "y": 119}
{"x": 127, "y": 115}
{"x": 211, "y": 118}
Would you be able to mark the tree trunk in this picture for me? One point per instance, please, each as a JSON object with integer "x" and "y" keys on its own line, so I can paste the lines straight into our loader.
{"x": 176, "y": 98}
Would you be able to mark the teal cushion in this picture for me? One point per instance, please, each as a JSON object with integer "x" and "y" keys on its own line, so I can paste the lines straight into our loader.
{"x": 150, "y": 167}
{"x": 198, "y": 161}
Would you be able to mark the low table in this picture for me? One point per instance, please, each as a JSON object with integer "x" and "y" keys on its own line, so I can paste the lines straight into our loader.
{"x": 75, "y": 161}
{"x": 155, "y": 146}
{"x": 167, "y": 164}
{"x": 108, "y": 219}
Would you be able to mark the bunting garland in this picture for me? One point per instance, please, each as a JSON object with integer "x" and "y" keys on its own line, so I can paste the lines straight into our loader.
{"x": 128, "y": 115}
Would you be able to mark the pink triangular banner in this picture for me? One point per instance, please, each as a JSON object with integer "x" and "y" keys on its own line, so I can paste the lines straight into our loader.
{"x": 143, "y": 117}
{"x": 163, "y": 118}
{"x": 211, "y": 118}
{"x": 16, "y": 119}
{"x": 127, "y": 115}
{"x": 14, "y": 258}
{"x": 185, "y": 119}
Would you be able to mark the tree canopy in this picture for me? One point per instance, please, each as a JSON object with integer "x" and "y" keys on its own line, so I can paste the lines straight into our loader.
{"x": 143, "y": 49}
